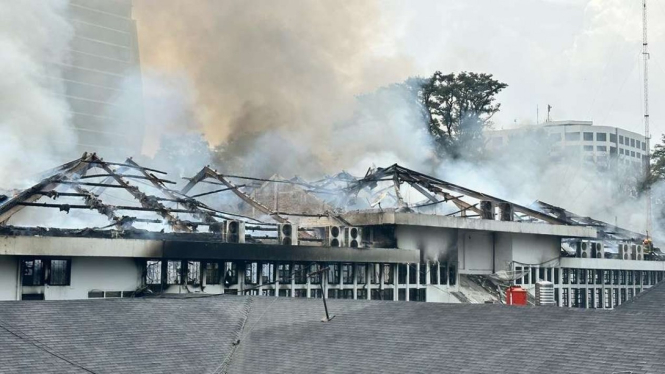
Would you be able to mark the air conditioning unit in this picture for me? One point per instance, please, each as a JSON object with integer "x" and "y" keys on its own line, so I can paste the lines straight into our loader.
{"x": 624, "y": 252}
{"x": 633, "y": 252}
{"x": 506, "y": 210}
{"x": 287, "y": 234}
{"x": 354, "y": 236}
{"x": 487, "y": 209}
{"x": 597, "y": 250}
{"x": 545, "y": 293}
{"x": 585, "y": 249}
{"x": 334, "y": 236}
{"x": 639, "y": 253}
{"x": 235, "y": 231}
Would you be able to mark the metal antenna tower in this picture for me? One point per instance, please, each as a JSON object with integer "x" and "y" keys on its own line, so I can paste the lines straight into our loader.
{"x": 647, "y": 137}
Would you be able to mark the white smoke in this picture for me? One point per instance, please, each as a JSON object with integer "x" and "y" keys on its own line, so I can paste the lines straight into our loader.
{"x": 34, "y": 119}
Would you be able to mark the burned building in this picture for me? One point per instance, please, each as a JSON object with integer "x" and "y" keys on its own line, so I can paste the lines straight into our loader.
{"x": 97, "y": 229}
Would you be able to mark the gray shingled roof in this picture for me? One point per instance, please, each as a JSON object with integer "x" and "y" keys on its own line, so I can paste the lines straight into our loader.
{"x": 650, "y": 301}
{"x": 196, "y": 335}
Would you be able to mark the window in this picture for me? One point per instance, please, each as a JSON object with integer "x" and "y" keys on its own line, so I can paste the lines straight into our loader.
{"x": 267, "y": 273}
{"x": 300, "y": 293}
{"x": 60, "y": 273}
{"x": 541, "y": 273}
{"x": 212, "y": 273}
{"x": 613, "y": 150}
{"x": 644, "y": 146}
{"x": 589, "y": 276}
{"x": 345, "y": 294}
{"x": 620, "y": 139}
{"x": 347, "y": 273}
{"x": 443, "y": 273}
{"x": 527, "y": 275}
{"x": 388, "y": 274}
{"x": 599, "y": 297}
{"x": 33, "y": 272}
{"x": 401, "y": 271}
{"x": 153, "y": 273}
{"x": 615, "y": 297}
{"x": 95, "y": 294}
{"x": 588, "y": 148}
{"x": 453, "y": 276}
{"x": 230, "y": 273}
{"x": 556, "y": 275}
{"x": 613, "y": 138}
{"x": 193, "y": 272}
{"x": 284, "y": 273}
{"x": 565, "y": 275}
{"x": 413, "y": 274}
{"x": 333, "y": 273}
{"x": 601, "y": 136}
{"x": 637, "y": 144}
{"x": 388, "y": 294}
{"x": 401, "y": 294}
{"x": 621, "y": 151}
{"x": 601, "y": 148}
{"x": 374, "y": 273}
{"x": 300, "y": 274}
{"x": 572, "y": 136}
{"x": 573, "y": 276}
{"x": 622, "y": 277}
{"x": 583, "y": 274}
{"x": 588, "y": 136}
{"x": 606, "y": 277}
{"x": 615, "y": 276}
{"x": 632, "y": 153}
{"x": 362, "y": 295}
{"x": 606, "y": 297}
{"x": 251, "y": 273}
{"x": 362, "y": 273}
{"x": 315, "y": 278}
{"x": 564, "y": 294}
{"x": 632, "y": 143}
{"x": 174, "y": 272}
{"x": 434, "y": 273}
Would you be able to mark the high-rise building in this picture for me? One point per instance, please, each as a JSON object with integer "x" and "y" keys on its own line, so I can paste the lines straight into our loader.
{"x": 102, "y": 77}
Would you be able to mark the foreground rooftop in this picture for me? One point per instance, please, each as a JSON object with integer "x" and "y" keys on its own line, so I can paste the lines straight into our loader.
{"x": 237, "y": 334}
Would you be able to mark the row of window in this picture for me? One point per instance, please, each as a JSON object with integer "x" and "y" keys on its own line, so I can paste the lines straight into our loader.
{"x": 41, "y": 271}
{"x": 597, "y": 298}
{"x": 601, "y": 137}
{"x": 174, "y": 272}
{"x": 415, "y": 294}
{"x": 589, "y": 276}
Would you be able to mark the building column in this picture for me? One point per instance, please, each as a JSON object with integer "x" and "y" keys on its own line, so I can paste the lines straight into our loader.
{"x": 408, "y": 269}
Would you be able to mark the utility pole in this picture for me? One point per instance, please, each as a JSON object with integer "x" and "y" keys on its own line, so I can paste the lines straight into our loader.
{"x": 645, "y": 56}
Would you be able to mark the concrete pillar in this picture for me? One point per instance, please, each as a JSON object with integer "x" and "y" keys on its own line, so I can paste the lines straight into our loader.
{"x": 408, "y": 268}
{"x": 355, "y": 281}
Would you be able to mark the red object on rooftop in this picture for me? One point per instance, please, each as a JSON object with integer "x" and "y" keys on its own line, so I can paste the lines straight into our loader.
{"x": 515, "y": 295}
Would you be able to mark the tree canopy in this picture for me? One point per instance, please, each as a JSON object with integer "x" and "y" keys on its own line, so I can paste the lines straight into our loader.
{"x": 457, "y": 108}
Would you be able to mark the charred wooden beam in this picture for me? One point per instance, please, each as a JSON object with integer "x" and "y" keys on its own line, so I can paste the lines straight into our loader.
{"x": 132, "y": 176}
{"x": 135, "y": 166}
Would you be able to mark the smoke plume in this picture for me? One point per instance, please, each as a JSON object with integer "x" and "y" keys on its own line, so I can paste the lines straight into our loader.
{"x": 34, "y": 120}
{"x": 275, "y": 82}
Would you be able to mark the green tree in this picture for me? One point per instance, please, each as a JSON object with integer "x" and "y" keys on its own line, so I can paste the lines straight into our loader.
{"x": 457, "y": 108}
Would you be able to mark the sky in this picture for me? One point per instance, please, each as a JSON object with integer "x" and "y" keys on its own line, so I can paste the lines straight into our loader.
{"x": 581, "y": 57}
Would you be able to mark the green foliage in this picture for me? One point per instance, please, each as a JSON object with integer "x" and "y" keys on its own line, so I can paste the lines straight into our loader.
{"x": 458, "y": 108}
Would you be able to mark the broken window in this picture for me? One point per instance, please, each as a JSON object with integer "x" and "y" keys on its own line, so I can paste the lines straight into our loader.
{"x": 333, "y": 273}
{"x": 153, "y": 272}
{"x": 194, "y": 272}
{"x": 300, "y": 293}
{"x": 300, "y": 274}
{"x": 413, "y": 274}
{"x": 230, "y": 273}
{"x": 251, "y": 273}
{"x": 453, "y": 275}
{"x": 362, "y": 295}
{"x": 33, "y": 272}
{"x": 401, "y": 274}
{"x": 332, "y": 293}
{"x": 346, "y": 294}
{"x": 362, "y": 274}
{"x": 284, "y": 273}
{"x": 212, "y": 273}
{"x": 60, "y": 273}
{"x": 377, "y": 295}
{"x": 443, "y": 273}
{"x": 347, "y": 273}
{"x": 174, "y": 272}
{"x": 434, "y": 273}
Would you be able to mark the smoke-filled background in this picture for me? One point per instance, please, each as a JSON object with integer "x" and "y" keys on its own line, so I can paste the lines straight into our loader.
{"x": 304, "y": 87}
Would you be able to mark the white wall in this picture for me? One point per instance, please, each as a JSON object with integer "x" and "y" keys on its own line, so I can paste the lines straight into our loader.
{"x": 434, "y": 243}
{"x": 97, "y": 273}
{"x": 441, "y": 294}
{"x": 8, "y": 277}
{"x": 475, "y": 252}
{"x": 535, "y": 249}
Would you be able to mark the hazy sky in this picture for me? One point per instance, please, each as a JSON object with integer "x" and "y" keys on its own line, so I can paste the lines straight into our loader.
{"x": 582, "y": 57}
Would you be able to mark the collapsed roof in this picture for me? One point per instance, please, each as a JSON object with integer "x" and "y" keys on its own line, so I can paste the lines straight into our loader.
{"x": 151, "y": 202}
